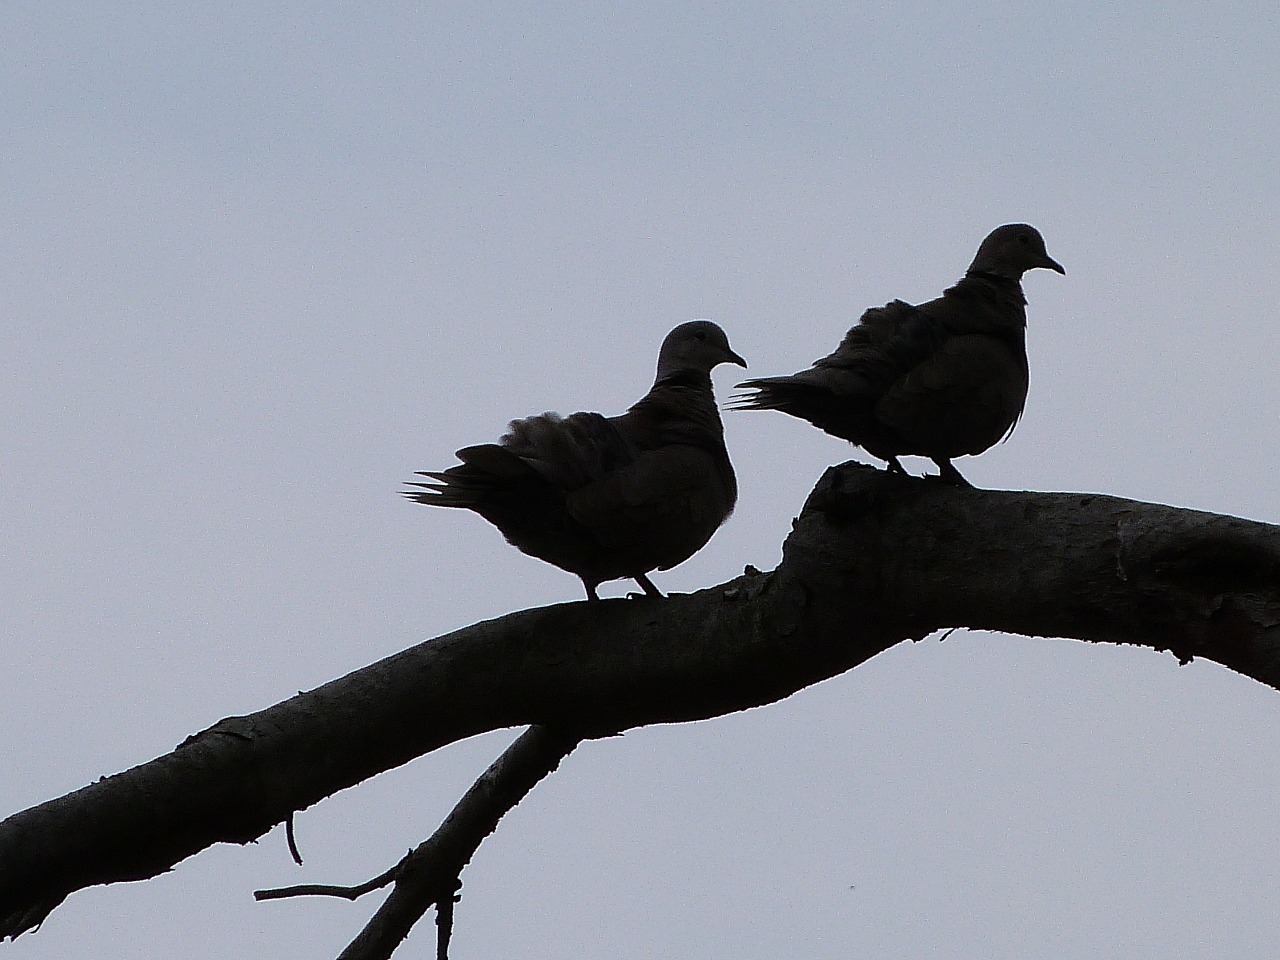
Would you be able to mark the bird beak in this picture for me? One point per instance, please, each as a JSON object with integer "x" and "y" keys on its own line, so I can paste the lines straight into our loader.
{"x": 734, "y": 358}
{"x": 1053, "y": 264}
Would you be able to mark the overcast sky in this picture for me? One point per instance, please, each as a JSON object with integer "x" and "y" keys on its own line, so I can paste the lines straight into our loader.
{"x": 264, "y": 261}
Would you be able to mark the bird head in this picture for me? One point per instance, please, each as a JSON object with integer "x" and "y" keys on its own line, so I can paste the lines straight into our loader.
{"x": 699, "y": 346}
{"x": 1012, "y": 250}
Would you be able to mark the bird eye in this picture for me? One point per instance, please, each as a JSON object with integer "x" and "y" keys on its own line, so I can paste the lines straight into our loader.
{"x": 700, "y": 335}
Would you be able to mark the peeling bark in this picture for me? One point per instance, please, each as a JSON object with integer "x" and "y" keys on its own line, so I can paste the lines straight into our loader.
{"x": 873, "y": 559}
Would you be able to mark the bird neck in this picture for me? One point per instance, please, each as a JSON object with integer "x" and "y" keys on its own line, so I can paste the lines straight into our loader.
{"x": 998, "y": 279}
{"x": 683, "y": 378}
{"x": 680, "y": 409}
{"x": 994, "y": 287}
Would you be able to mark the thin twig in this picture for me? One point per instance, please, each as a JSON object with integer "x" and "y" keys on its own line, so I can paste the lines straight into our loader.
{"x": 444, "y": 921}
{"x": 326, "y": 890}
{"x": 293, "y": 843}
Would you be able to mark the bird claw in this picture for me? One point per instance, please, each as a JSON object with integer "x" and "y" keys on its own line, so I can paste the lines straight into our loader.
{"x": 947, "y": 473}
{"x": 647, "y": 585}
{"x": 895, "y": 466}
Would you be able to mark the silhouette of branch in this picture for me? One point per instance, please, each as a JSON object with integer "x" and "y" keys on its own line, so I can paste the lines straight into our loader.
{"x": 872, "y": 560}
{"x": 329, "y": 890}
{"x": 428, "y": 875}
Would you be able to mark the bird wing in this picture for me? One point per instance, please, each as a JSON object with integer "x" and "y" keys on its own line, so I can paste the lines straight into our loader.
{"x": 886, "y": 341}
{"x": 569, "y": 452}
{"x": 840, "y": 392}
{"x": 668, "y": 499}
{"x": 961, "y": 399}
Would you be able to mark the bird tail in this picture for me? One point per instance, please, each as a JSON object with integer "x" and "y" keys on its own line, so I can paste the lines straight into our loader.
{"x": 487, "y": 472}
{"x": 534, "y": 465}
{"x": 773, "y": 393}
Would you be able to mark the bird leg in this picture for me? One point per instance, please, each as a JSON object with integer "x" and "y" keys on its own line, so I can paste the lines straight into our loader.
{"x": 895, "y": 466}
{"x": 647, "y": 584}
{"x": 947, "y": 472}
{"x": 591, "y": 589}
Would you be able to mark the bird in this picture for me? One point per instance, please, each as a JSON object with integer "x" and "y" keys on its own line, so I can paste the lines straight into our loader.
{"x": 609, "y": 498}
{"x": 942, "y": 379}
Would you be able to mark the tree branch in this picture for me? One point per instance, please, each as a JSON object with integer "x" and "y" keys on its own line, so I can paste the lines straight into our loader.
{"x": 354, "y": 892}
{"x": 428, "y": 876}
{"x": 872, "y": 560}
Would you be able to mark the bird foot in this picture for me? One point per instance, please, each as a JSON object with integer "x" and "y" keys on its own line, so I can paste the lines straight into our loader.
{"x": 947, "y": 473}
{"x": 895, "y": 466}
{"x": 649, "y": 589}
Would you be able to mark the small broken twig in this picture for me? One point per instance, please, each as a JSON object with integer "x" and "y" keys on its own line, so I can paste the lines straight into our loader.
{"x": 328, "y": 890}
{"x": 293, "y": 843}
{"x": 429, "y": 874}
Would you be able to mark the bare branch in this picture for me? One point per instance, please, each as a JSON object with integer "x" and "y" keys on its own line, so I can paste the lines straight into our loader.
{"x": 329, "y": 890}
{"x": 444, "y": 925}
{"x": 428, "y": 876}
{"x": 873, "y": 559}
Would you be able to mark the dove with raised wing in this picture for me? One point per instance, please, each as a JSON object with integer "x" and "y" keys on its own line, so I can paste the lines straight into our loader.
{"x": 943, "y": 379}
{"x": 609, "y": 498}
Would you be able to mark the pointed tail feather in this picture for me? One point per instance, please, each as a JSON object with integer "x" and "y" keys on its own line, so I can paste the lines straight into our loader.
{"x": 487, "y": 475}
{"x": 772, "y": 393}
{"x": 443, "y": 494}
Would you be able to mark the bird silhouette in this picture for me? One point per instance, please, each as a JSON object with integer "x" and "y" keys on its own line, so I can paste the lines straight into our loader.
{"x": 943, "y": 379}
{"x": 608, "y": 498}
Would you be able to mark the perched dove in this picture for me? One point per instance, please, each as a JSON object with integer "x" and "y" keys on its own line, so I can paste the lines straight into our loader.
{"x": 610, "y": 497}
{"x": 944, "y": 379}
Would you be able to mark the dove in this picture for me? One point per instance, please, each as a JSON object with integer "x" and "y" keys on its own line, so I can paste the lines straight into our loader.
{"x": 943, "y": 379}
{"x": 609, "y": 498}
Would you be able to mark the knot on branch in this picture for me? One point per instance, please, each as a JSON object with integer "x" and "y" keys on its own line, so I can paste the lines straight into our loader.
{"x": 859, "y": 533}
{"x": 848, "y": 492}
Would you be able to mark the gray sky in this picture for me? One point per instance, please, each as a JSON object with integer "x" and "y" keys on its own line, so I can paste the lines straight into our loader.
{"x": 264, "y": 262}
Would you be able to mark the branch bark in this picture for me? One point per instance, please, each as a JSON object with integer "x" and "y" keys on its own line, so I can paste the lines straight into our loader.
{"x": 872, "y": 560}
